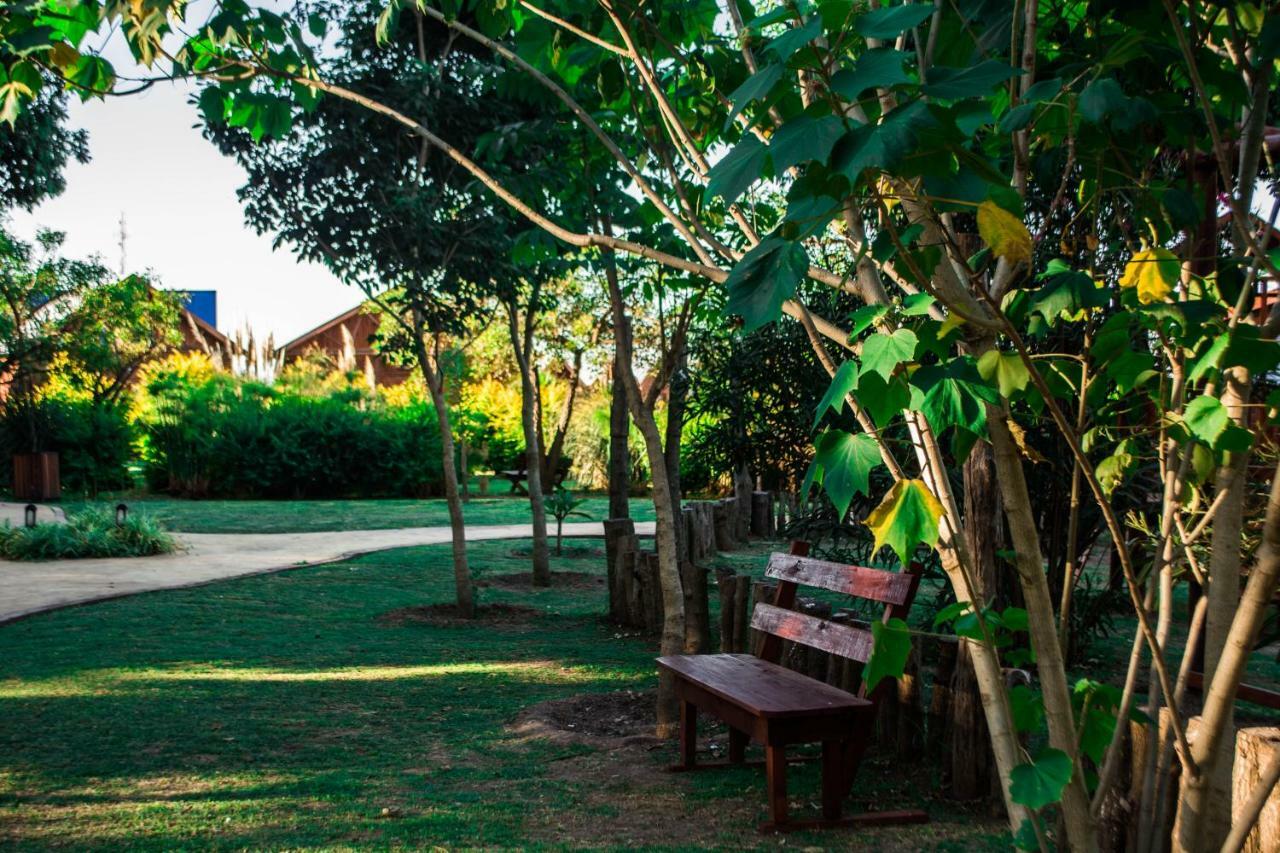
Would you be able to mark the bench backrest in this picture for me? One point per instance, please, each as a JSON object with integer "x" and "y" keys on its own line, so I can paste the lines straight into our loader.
{"x": 778, "y": 621}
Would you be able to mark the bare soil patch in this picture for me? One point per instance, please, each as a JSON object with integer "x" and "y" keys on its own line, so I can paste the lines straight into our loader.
{"x": 559, "y": 580}
{"x": 446, "y": 616}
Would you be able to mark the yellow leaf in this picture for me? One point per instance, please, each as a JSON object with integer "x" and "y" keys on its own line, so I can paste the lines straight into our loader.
{"x": 1154, "y": 272}
{"x": 888, "y": 193}
{"x": 63, "y": 55}
{"x": 953, "y": 321}
{"x": 908, "y": 516}
{"x": 1004, "y": 233}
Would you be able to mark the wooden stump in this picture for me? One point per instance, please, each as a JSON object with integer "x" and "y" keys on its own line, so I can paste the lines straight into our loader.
{"x": 741, "y": 611}
{"x": 1255, "y": 748}
{"x": 742, "y": 489}
{"x": 940, "y": 700}
{"x": 762, "y": 514}
{"x": 727, "y": 586}
{"x": 652, "y": 591}
{"x": 632, "y": 589}
{"x": 697, "y": 611}
{"x": 615, "y": 530}
{"x": 692, "y": 542}
{"x": 970, "y": 754}
{"x": 725, "y": 515}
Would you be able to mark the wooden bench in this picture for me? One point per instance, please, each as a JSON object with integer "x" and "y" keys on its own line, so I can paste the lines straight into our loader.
{"x": 764, "y": 702}
{"x": 517, "y": 477}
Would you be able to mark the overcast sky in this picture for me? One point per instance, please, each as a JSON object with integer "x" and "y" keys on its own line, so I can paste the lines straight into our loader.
{"x": 184, "y": 223}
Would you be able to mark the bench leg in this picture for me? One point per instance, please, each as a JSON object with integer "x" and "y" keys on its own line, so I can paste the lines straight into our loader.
{"x": 737, "y": 746}
{"x": 775, "y": 763}
{"x": 688, "y": 734}
{"x": 833, "y": 779}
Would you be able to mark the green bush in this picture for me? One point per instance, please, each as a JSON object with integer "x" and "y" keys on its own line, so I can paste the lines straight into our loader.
{"x": 95, "y": 443}
{"x": 223, "y": 438}
{"x": 91, "y": 533}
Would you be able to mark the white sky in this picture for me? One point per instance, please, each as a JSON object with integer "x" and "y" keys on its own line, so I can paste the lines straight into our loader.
{"x": 184, "y": 223}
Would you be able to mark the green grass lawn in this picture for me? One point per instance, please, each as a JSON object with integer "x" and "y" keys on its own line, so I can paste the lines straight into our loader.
{"x": 279, "y": 711}
{"x": 229, "y": 516}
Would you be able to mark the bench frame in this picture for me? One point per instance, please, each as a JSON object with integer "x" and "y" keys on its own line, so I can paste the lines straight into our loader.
{"x": 844, "y": 731}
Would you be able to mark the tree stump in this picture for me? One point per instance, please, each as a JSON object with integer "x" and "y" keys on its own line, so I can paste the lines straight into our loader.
{"x": 615, "y": 530}
{"x": 970, "y": 749}
{"x": 697, "y": 613}
{"x": 652, "y": 589}
{"x": 762, "y": 514}
{"x": 725, "y": 518}
{"x": 727, "y": 586}
{"x": 632, "y": 595}
{"x": 742, "y": 489}
{"x": 741, "y": 606}
{"x": 692, "y": 541}
{"x": 1255, "y": 748}
{"x": 940, "y": 699}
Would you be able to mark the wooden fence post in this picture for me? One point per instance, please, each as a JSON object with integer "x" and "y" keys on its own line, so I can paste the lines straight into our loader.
{"x": 725, "y": 516}
{"x": 1254, "y": 750}
{"x": 615, "y": 530}
{"x": 761, "y": 514}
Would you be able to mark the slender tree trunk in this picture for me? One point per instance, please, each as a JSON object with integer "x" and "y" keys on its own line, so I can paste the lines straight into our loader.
{"x": 434, "y": 375}
{"x": 619, "y": 424}
{"x": 1044, "y": 636}
{"x": 555, "y": 453}
{"x": 522, "y": 343}
{"x": 1221, "y": 692}
{"x": 1228, "y": 525}
{"x": 677, "y": 397}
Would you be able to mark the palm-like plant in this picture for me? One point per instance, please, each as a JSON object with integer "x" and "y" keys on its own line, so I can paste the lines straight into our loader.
{"x": 563, "y": 504}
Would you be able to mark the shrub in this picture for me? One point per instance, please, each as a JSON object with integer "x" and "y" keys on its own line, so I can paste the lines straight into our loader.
{"x": 223, "y": 438}
{"x": 94, "y": 442}
{"x": 90, "y": 533}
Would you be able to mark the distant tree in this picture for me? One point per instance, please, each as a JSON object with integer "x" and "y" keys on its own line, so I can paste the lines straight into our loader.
{"x": 35, "y": 149}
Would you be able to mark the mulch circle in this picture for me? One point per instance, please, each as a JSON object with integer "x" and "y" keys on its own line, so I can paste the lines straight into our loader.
{"x": 621, "y": 718}
{"x": 446, "y": 616}
{"x": 559, "y": 580}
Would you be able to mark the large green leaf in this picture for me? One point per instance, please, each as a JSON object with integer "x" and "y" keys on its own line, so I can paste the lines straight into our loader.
{"x": 881, "y": 145}
{"x": 754, "y": 88}
{"x": 1006, "y": 370}
{"x": 891, "y": 646}
{"x": 883, "y": 352}
{"x": 804, "y": 138}
{"x": 738, "y": 169}
{"x": 763, "y": 279}
{"x": 864, "y": 317}
{"x": 1066, "y": 294}
{"x": 952, "y": 84}
{"x": 844, "y": 381}
{"x": 875, "y": 69}
{"x": 883, "y": 400}
{"x": 1209, "y": 421}
{"x": 794, "y": 38}
{"x": 1041, "y": 782}
{"x": 907, "y": 517}
{"x": 890, "y": 21}
{"x": 846, "y": 461}
{"x": 952, "y": 394}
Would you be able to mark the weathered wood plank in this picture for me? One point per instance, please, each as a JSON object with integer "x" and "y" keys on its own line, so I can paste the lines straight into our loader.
{"x": 860, "y": 581}
{"x": 843, "y": 640}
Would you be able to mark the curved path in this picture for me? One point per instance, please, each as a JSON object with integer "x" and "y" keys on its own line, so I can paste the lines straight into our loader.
{"x": 27, "y": 588}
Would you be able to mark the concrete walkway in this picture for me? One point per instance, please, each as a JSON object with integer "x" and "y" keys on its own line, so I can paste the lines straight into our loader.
{"x": 27, "y": 588}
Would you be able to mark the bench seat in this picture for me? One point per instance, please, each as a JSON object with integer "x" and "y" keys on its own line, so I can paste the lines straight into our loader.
{"x": 763, "y": 688}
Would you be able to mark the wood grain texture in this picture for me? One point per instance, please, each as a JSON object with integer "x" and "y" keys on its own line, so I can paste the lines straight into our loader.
{"x": 859, "y": 581}
{"x": 843, "y": 640}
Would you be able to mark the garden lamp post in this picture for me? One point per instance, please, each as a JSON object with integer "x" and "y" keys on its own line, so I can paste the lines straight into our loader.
{"x": 122, "y": 514}
{"x": 29, "y": 515}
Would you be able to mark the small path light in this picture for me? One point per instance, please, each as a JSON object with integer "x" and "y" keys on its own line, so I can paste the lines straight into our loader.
{"x": 122, "y": 514}
{"x": 29, "y": 515}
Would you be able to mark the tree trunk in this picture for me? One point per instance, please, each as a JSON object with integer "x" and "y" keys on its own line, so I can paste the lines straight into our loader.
{"x": 434, "y": 375}
{"x": 551, "y": 469}
{"x": 522, "y": 343}
{"x": 1224, "y": 552}
{"x": 972, "y": 763}
{"x": 619, "y": 454}
{"x": 1044, "y": 636}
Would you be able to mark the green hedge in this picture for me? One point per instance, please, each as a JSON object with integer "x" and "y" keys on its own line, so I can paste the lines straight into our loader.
{"x": 95, "y": 443}
{"x": 227, "y": 439}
